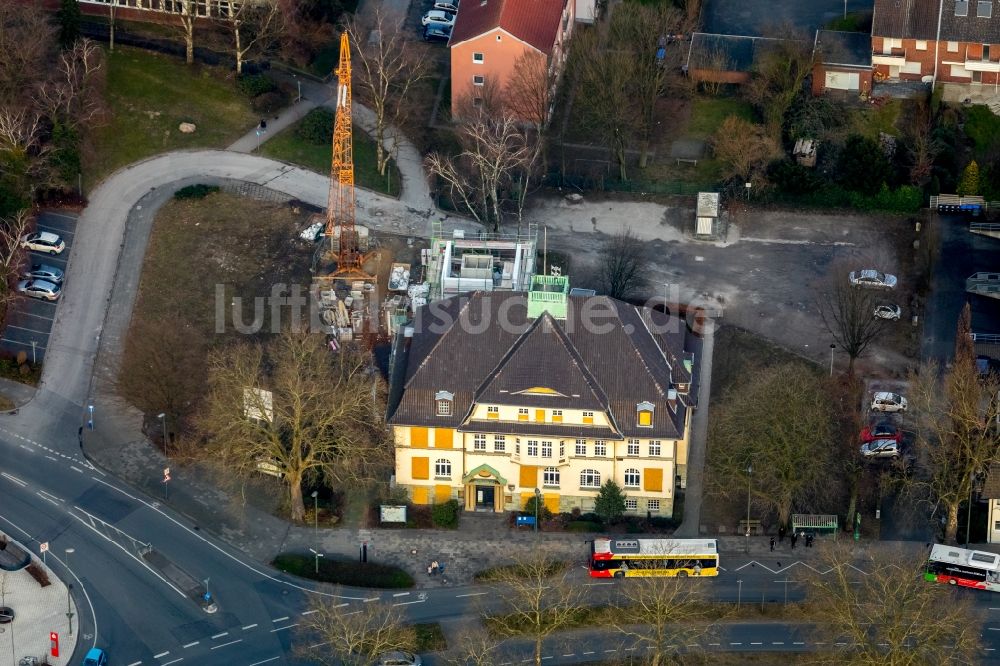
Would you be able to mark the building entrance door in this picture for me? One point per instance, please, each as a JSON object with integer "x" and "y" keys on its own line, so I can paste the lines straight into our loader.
{"x": 484, "y": 498}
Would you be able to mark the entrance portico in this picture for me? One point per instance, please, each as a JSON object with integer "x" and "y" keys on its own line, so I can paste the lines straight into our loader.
{"x": 484, "y": 489}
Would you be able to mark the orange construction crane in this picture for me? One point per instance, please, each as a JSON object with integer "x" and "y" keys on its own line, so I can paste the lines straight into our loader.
{"x": 340, "y": 203}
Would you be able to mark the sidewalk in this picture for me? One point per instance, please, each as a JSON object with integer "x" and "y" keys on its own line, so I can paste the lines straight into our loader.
{"x": 18, "y": 393}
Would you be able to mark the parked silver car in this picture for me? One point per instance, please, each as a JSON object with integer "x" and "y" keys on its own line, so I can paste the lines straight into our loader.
{"x": 885, "y": 401}
{"x": 873, "y": 279}
{"x": 880, "y": 448}
{"x": 43, "y": 272}
{"x": 398, "y": 658}
{"x": 39, "y": 289}
{"x": 891, "y": 312}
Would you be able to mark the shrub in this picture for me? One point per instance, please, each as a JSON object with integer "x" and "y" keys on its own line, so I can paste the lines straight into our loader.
{"x": 529, "y": 509}
{"x": 792, "y": 178}
{"x": 39, "y": 574}
{"x": 316, "y": 127}
{"x": 269, "y": 102}
{"x": 199, "y": 191}
{"x": 445, "y": 515}
{"x": 863, "y": 166}
{"x": 418, "y": 516}
{"x": 343, "y": 572}
{"x": 254, "y": 85}
{"x": 583, "y": 526}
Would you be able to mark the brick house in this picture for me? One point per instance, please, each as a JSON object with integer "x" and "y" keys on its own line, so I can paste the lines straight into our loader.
{"x": 946, "y": 41}
{"x": 490, "y": 35}
{"x": 842, "y": 61}
{"x": 499, "y": 396}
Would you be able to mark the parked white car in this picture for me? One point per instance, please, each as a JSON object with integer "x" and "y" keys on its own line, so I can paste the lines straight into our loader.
{"x": 438, "y": 16}
{"x": 43, "y": 241}
{"x": 880, "y": 448}
{"x": 884, "y": 401}
{"x": 873, "y": 279}
{"x": 891, "y": 312}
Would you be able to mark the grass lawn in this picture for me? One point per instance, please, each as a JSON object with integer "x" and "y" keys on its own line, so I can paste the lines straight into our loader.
{"x": 707, "y": 114}
{"x": 149, "y": 95}
{"x": 288, "y": 146}
{"x": 739, "y": 355}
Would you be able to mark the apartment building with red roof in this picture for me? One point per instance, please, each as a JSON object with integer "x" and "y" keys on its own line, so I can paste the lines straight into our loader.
{"x": 490, "y": 35}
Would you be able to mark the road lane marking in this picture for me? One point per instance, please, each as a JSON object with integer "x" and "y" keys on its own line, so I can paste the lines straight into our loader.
{"x": 52, "y": 458}
{"x": 191, "y": 644}
{"x": 756, "y": 643}
{"x": 611, "y": 650}
{"x": 238, "y": 640}
{"x": 992, "y": 628}
{"x": 50, "y": 495}
{"x": 135, "y": 663}
{"x": 401, "y": 594}
{"x": 280, "y": 619}
{"x": 798, "y": 643}
{"x": 167, "y": 663}
{"x": 224, "y": 633}
{"x": 313, "y": 647}
{"x": 714, "y": 644}
{"x": 409, "y": 603}
{"x": 471, "y": 594}
{"x": 249, "y": 626}
{"x": 777, "y": 643}
{"x": 591, "y": 652}
{"x": 287, "y": 626}
{"x": 161, "y": 655}
{"x": 16, "y": 480}
{"x": 310, "y": 612}
{"x": 571, "y": 654}
{"x": 736, "y": 643}
{"x": 367, "y": 601}
{"x": 258, "y": 663}
{"x": 341, "y": 605}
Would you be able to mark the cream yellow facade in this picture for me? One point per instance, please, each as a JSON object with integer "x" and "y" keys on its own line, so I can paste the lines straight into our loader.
{"x": 497, "y": 472}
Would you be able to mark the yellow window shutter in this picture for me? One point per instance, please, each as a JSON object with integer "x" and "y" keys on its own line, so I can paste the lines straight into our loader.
{"x": 443, "y": 438}
{"x": 653, "y": 479}
{"x": 418, "y": 438}
{"x": 420, "y": 495}
{"x": 421, "y": 468}
{"x": 551, "y": 501}
{"x": 442, "y": 493}
{"x": 529, "y": 476}
{"x": 645, "y": 418}
{"x": 540, "y": 415}
{"x": 525, "y": 498}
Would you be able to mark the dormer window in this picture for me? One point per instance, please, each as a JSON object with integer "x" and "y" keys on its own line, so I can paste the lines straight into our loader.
{"x": 492, "y": 412}
{"x": 444, "y": 401}
{"x": 644, "y": 414}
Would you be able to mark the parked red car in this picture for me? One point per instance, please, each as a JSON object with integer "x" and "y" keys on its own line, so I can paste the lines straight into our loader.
{"x": 881, "y": 431}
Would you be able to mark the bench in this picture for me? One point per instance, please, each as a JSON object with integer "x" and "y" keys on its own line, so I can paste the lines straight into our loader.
{"x": 752, "y": 526}
{"x": 686, "y": 160}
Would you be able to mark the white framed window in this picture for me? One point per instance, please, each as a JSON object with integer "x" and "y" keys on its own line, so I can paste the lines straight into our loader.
{"x": 631, "y": 504}
{"x": 588, "y": 417}
{"x": 631, "y": 478}
{"x": 478, "y": 79}
{"x": 533, "y": 447}
{"x": 562, "y": 449}
{"x": 479, "y": 442}
{"x": 499, "y": 443}
{"x": 546, "y": 449}
{"x": 590, "y": 478}
{"x": 442, "y": 468}
{"x": 633, "y": 447}
{"x": 653, "y": 505}
{"x": 557, "y": 416}
{"x": 581, "y": 447}
{"x": 517, "y": 449}
{"x": 522, "y": 413}
{"x": 600, "y": 448}
{"x": 952, "y": 47}
{"x": 492, "y": 412}
{"x": 550, "y": 476}
{"x": 920, "y": 44}
{"x": 654, "y": 447}
{"x": 443, "y": 401}
{"x": 478, "y": 58}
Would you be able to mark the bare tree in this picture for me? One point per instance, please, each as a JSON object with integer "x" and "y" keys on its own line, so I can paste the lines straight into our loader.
{"x": 112, "y": 24}
{"x": 186, "y": 17}
{"x": 764, "y": 425}
{"x": 529, "y": 89}
{"x": 715, "y": 60}
{"x": 11, "y": 252}
{"x": 479, "y": 179}
{"x": 624, "y": 265}
{"x": 351, "y": 635}
{"x": 536, "y": 599}
{"x": 388, "y": 66}
{"x": 27, "y": 40}
{"x": 848, "y": 313}
{"x": 660, "y": 613}
{"x": 957, "y": 435}
{"x": 888, "y": 615}
{"x": 744, "y": 150}
{"x": 253, "y": 24}
{"x": 298, "y": 407}
{"x": 477, "y": 647}
{"x": 22, "y": 151}
{"x": 73, "y": 94}
{"x": 778, "y": 77}
{"x": 923, "y": 147}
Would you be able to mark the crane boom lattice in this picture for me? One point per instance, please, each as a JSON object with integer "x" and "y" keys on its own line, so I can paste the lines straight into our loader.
{"x": 340, "y": 203}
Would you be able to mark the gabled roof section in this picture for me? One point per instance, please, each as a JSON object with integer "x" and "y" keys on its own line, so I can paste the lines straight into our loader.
{"x": 913, "y": 19}
{"x": 535, "y": 22}
{"x": 727, "y": 53}
{"x": 847, "y": 49}
{"x": 543, "y": 353}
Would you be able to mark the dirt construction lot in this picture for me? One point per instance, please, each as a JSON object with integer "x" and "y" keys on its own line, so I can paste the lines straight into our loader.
{"x": 767, "y": 273}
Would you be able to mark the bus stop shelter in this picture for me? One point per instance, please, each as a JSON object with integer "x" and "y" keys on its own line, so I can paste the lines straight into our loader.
{"x": 817, "y": 523}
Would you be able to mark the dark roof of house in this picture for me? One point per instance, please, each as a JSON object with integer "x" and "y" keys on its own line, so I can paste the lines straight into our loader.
{"x": 482, "y": 347}
{"x": 533, "y": 21}
{"x": 918, "y": 19}
{"x": 991, "y": 485}
{"x": 852, "y": 49}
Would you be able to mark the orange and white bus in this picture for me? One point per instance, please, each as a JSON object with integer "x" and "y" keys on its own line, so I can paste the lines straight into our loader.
{"x": 618, "y": 557}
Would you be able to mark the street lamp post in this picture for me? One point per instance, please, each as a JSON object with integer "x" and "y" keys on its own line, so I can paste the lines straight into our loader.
{"x": 315, "y": 496}
{"x": 968, "y": 513}
{"x": 832, "y": 347}
{"x": 163, "y": 421}
{"x": 538, "y": 500}
{"x": 749, "y": 477}
{"x": 208, "y": 595}
{"x": 69, "y": 609}
{"x": 318, "y": 555}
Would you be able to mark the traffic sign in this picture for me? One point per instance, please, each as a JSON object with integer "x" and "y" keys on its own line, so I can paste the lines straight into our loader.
{"x": 43, "y": 547}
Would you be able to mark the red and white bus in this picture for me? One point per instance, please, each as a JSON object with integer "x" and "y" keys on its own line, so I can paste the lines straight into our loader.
{"x": 618, "y": 557}
{"x": 968, "y": 568}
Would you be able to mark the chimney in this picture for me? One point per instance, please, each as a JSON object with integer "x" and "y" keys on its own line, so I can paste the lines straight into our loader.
{"x": 672, "y": 399}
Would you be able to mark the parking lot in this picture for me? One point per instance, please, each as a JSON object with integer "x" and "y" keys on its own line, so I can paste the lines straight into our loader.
{"x": 30, "y": 319}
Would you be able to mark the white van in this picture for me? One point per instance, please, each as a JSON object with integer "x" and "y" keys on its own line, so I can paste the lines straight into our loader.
{"x": 884, "y": 401}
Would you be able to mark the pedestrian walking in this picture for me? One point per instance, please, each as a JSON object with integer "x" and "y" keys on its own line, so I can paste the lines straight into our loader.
{"x": 772, "y": 544}
{"x": 781, "y": 534}
{"x": 434, "y": 567}
{"x": 793, "y": 538}
{"x": 809, "y": 540}
{"x": 430, "y": 569}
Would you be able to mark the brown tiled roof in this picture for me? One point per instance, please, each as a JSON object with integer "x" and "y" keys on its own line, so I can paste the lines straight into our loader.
{"x": 533, "y": 21}
{"x": 560, "y": 430}
{"x": 918, "y": 19}
{"x": 616, "y": 368}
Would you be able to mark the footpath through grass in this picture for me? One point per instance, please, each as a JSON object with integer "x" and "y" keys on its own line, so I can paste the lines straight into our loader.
{"x": 344, "y": 572}
{"x": 149, "y": 95}
{"x": 288, "y": 146}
